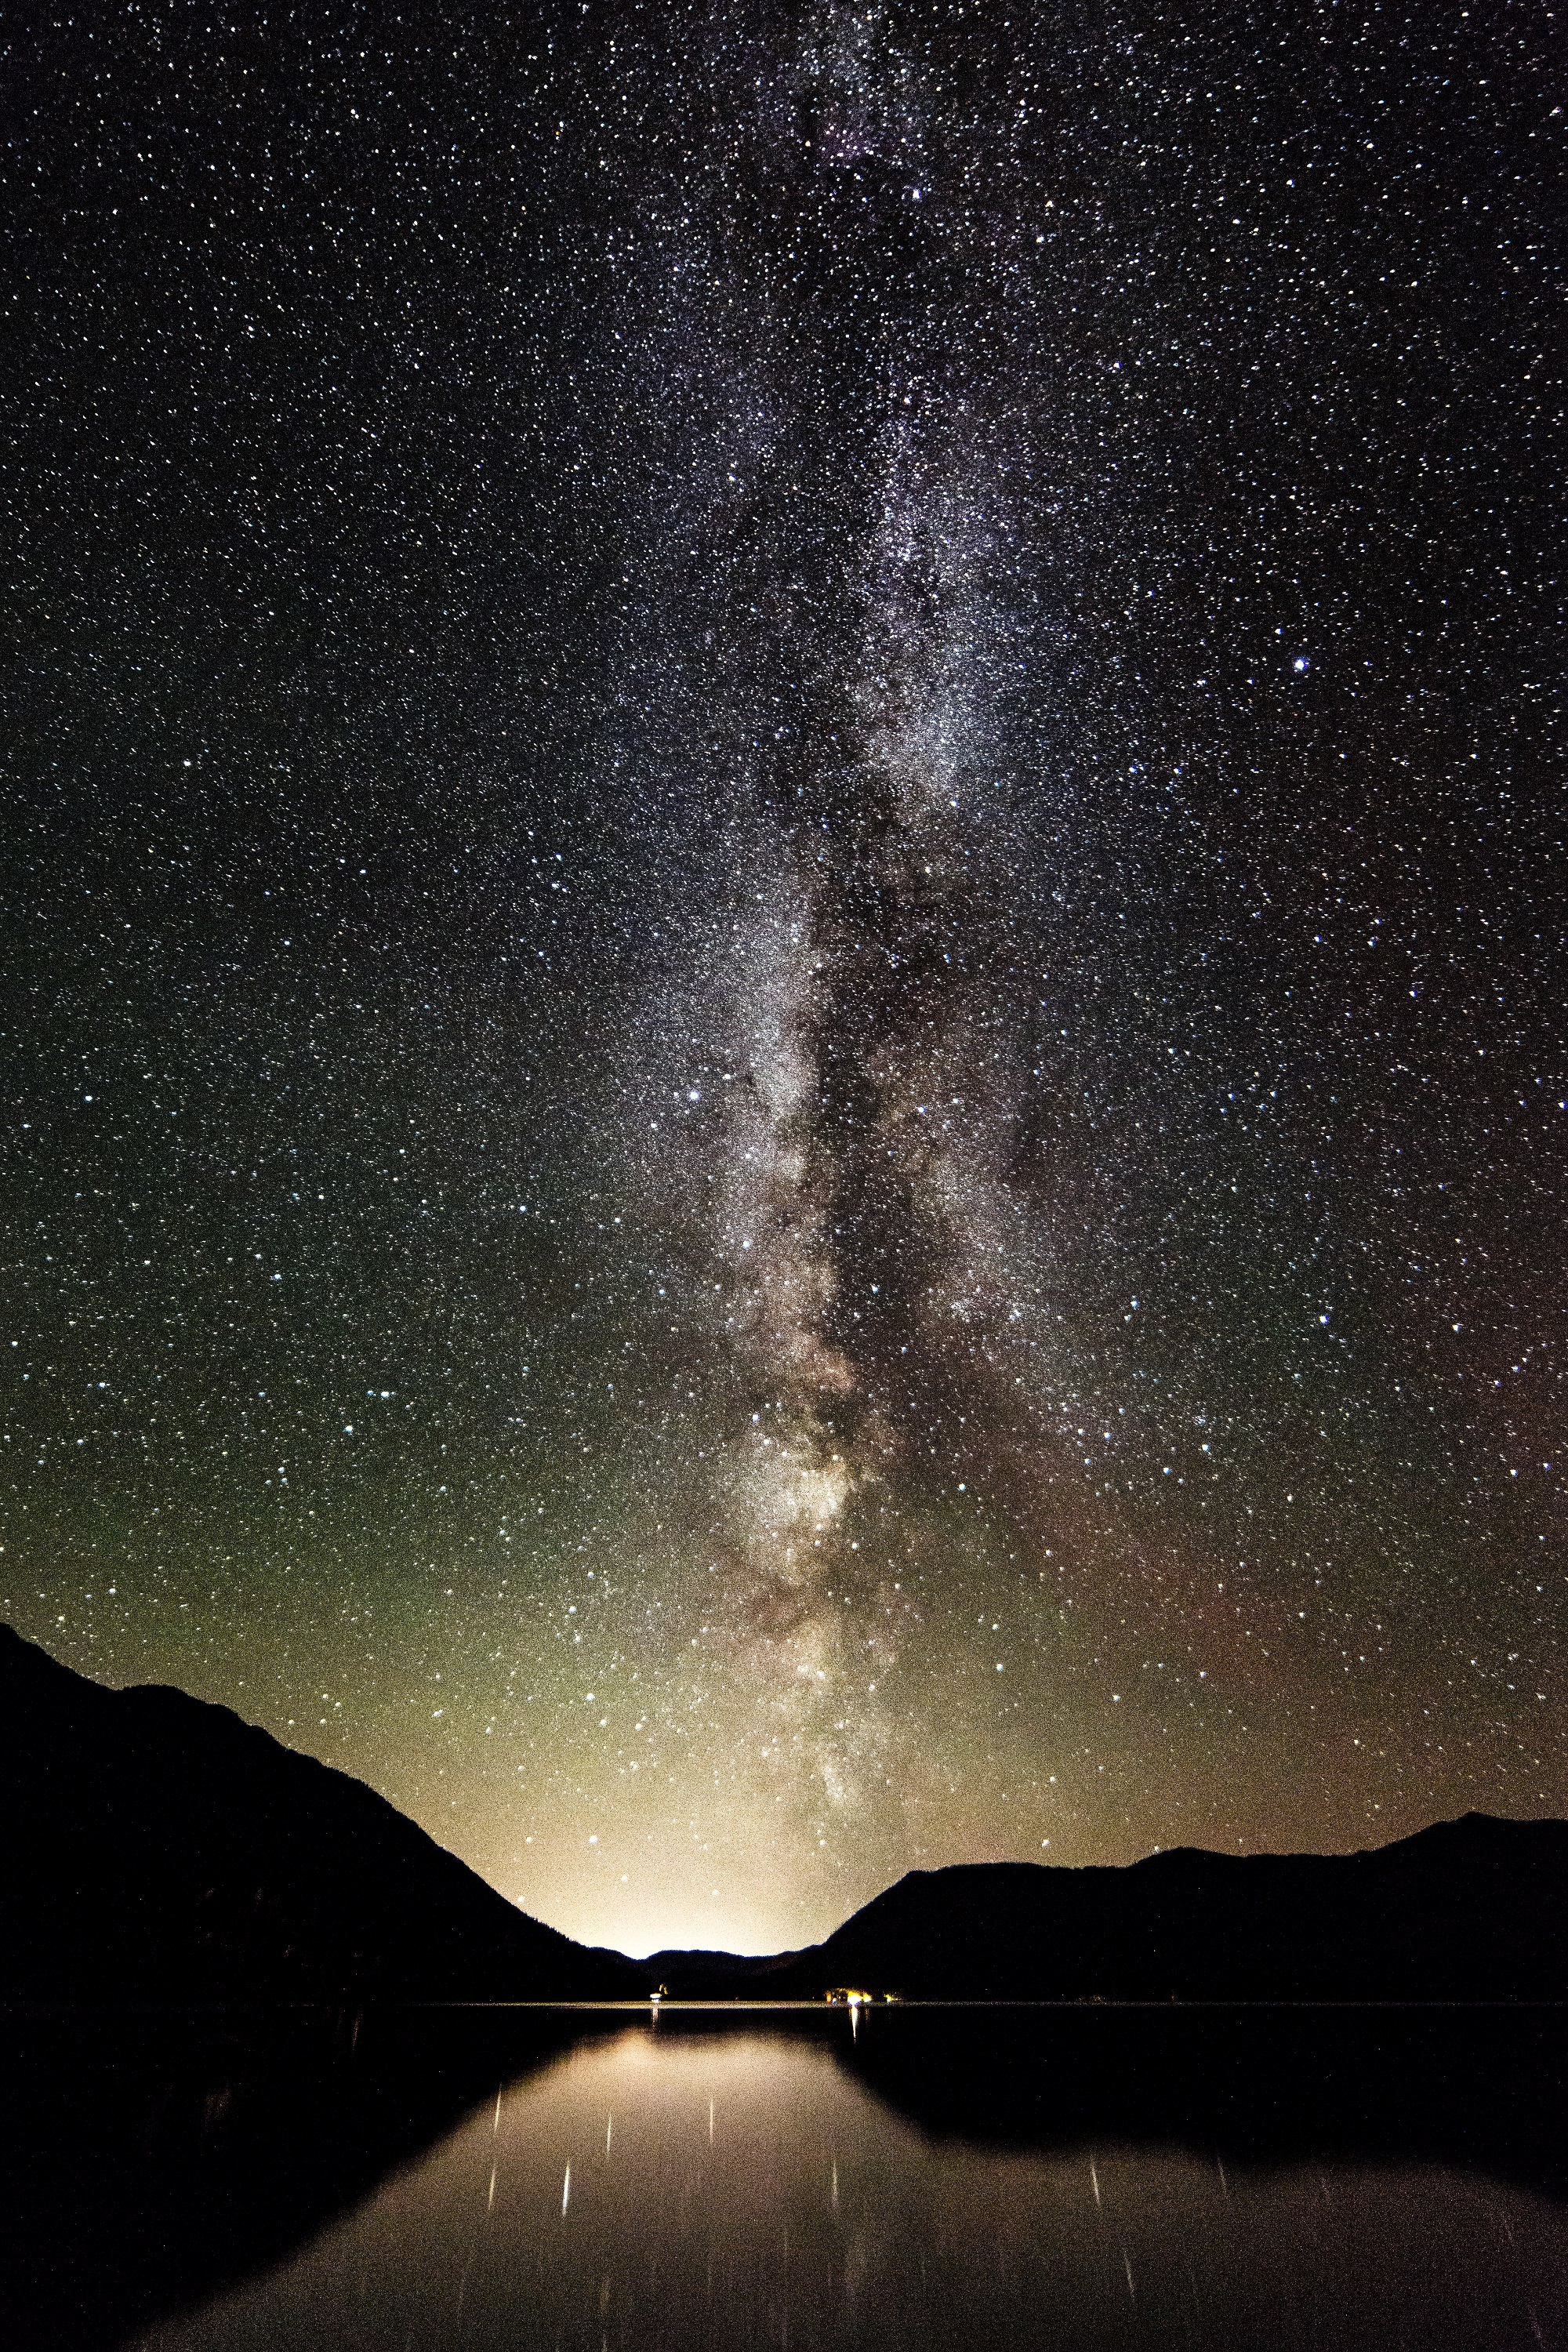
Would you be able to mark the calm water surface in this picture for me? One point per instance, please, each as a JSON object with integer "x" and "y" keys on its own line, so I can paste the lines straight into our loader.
{"x": 654, "y": 2189}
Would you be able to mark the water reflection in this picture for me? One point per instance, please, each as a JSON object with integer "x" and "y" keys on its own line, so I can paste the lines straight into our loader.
{"x": 146, "y": 2160}
{"x": 703, "y": 2187}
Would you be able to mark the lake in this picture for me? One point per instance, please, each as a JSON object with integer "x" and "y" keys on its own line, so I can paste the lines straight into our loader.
{"x": 906, "y": 2178}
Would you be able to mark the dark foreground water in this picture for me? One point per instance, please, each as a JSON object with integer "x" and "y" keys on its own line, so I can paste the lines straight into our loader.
{"x": 930, "y": 2178}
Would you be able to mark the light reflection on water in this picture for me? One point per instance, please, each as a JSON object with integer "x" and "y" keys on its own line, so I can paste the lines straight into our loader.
{"x": 652, "y": 2190}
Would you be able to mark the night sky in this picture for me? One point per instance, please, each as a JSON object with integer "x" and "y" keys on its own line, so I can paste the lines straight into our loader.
{"x": 783, "y": 1085}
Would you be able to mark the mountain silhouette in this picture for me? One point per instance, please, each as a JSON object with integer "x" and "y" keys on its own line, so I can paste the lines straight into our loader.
{"x": 158, "y": 1848}
{"x": 161, "y": 1849}
{"x": 1475, "y": 1909}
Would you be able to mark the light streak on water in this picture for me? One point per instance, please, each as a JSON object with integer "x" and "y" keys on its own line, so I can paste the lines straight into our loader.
{"x": 921, "y": 2244}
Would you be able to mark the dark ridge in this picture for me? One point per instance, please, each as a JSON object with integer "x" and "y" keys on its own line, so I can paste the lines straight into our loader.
{"x": 1475, "y": 1909}
{"x": 726, "y": 1976}
{"x": 160, "y": 1849}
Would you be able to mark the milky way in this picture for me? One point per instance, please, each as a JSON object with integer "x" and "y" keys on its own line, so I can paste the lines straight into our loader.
{"x": 784, "y": 904}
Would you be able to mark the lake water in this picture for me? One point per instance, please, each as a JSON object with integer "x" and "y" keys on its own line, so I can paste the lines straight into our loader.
{"x": 770, "y": 2181}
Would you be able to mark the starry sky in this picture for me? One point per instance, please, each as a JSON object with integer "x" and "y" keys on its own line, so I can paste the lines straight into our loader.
{"x": 783, "y": 1087}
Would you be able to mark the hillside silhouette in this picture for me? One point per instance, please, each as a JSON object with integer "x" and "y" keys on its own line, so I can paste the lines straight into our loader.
{"x": 161, "y": 1849}
{"x": 158, "y": 1848}
{"x": 1475, "y": 1909}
